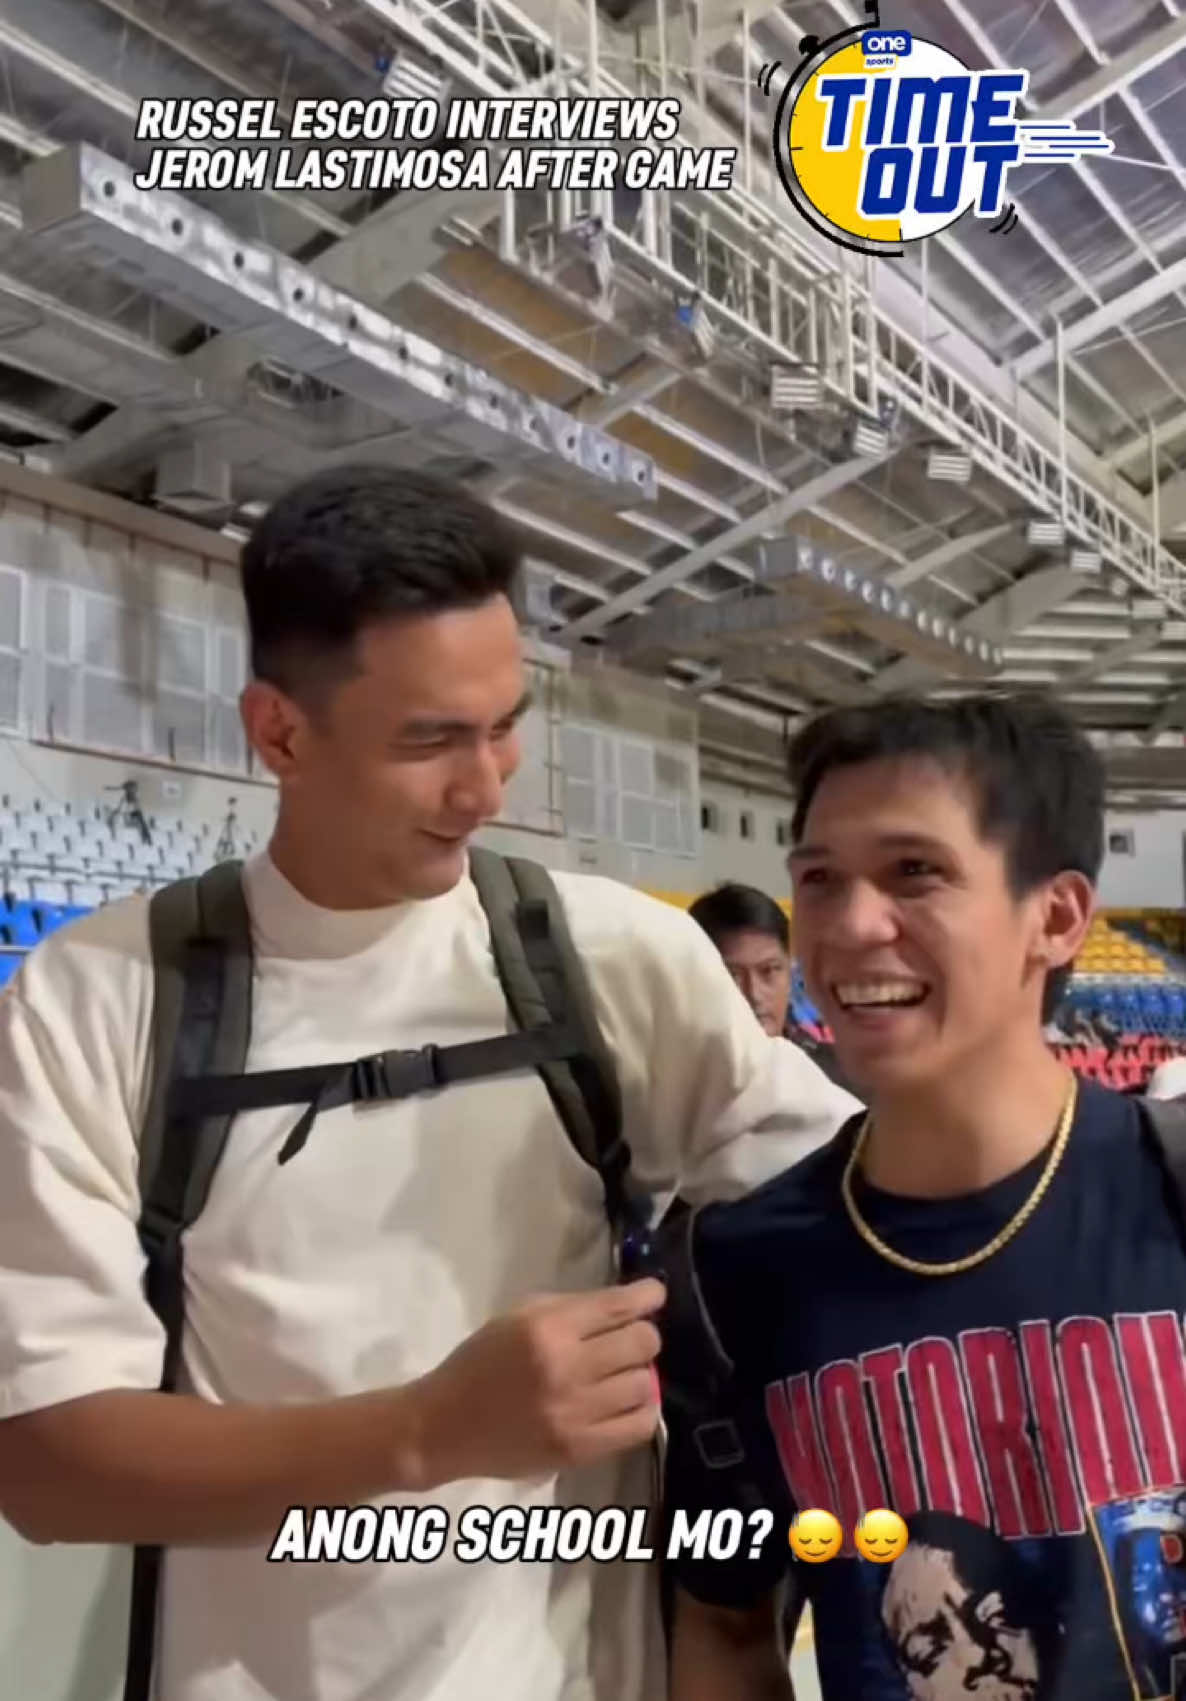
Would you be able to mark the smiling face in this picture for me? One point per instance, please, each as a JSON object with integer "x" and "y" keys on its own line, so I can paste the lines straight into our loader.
{"x": 914, "y": 946}
{"x": 816, "y": 1536}
{"x": 385, "y": 778}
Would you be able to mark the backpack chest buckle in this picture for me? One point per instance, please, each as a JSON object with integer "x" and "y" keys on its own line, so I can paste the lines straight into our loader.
{"x": 391, "y": 1075}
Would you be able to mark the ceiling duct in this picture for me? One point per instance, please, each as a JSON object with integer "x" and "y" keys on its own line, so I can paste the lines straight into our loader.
{"x": 79, "y": 203}
{"x": 818, "y": 585}
{"x": 191, "y": 479}
{"x": 876, "y": 608}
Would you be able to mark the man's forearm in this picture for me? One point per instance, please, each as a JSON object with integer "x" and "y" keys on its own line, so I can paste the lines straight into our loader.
{"x": 723, "y": 1674}
{"x": 724, "y": 1656}
{"x": 173, "y": 1470}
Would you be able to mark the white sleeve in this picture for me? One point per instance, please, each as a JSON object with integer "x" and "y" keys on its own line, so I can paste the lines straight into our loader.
{"x": 713, "y": 1106}
{"x": 73, "y": 1032}
{"x": 1168, "y": 1080}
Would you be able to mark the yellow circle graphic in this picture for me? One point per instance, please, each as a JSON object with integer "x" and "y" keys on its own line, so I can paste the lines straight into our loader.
{"x": 831, "y": 179}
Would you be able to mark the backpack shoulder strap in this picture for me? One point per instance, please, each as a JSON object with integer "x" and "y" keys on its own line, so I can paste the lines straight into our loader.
{"x": 200, "y": 939}
{"x": 200, "y": 935}
{"x": 1165, "y": 1119}
{"x": 544, "y": 982}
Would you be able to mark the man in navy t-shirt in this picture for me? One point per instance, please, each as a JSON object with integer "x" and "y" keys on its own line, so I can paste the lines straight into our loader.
{"x": 969, "y": 1307}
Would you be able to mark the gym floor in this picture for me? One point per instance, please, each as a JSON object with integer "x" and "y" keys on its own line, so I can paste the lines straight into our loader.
{"x": 803, "y": 1671}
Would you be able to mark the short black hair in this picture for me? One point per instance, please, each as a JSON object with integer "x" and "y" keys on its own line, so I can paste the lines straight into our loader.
{"x": 1037, "y": 782}
{"x": 740, "y": 909}
{"x": 354, "y": 545}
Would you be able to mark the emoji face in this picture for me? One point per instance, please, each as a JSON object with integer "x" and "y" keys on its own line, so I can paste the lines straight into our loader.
{"x": 880, "y": 1536}
{"x": 816, "y": 1536}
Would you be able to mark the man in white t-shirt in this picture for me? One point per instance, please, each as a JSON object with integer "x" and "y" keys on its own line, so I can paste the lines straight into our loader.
{"x": 364, "y": 1324}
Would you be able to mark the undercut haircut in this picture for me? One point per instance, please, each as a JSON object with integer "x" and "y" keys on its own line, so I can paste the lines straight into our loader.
{"x": 352, "y": 547}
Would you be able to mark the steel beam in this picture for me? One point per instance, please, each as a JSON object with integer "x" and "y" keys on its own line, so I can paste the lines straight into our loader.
{"x": 645, "y": 380}
{"x": 306, "y": 18}
{"x": 769, "y": 518}
{"x": 1112, "y": 656}
{"x": 955, "y": 549}
{"x": 1115, "y": 312}
{"x": 1092, "y": 183}
{"x": 1119, "y": 73}
{"x": 67, "y": 69}
{"x": 1172, "y": 498}
{"x": 1137, "y": 447}
{"x": 33, "y": 425}
{"x": 1172, "y": 713}
{"x": 69, "y": 347}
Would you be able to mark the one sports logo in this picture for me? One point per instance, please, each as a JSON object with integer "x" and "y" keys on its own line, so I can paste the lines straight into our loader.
{"x": 882, "y": 138}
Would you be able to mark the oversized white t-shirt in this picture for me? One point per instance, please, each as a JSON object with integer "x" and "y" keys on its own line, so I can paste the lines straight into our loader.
{"x": 395, "y": 1233}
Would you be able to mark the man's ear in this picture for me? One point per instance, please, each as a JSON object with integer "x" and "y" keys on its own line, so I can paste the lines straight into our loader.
{"x": 275, "y": 726}
{"x": 1067, "y": 909}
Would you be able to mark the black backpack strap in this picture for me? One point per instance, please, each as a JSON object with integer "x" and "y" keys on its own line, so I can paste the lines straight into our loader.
{"x": 1165, "y": 1120}
{"x": 700, "y": 1393}
{"x": 200, "y": 937}
{"x": 694, "y": 1367}
{"x": 544, "y": 983}
{"x": 386, "y": 1076}
{"x": 698, "y": 1376}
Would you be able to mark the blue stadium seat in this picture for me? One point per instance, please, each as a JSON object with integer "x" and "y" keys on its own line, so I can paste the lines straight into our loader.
{"x": 52, "y": 916}
{"x": 802, "y": 1009}
{"x": 19, "y": 920}
{"x": 26, "y": 923}
{"x": 10, "y": 962}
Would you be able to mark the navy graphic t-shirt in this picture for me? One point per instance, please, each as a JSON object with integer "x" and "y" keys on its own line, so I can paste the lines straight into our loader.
{"x": 1027, "y": 1418}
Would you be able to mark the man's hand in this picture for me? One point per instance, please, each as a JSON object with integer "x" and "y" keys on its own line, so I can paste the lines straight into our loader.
{"x": 557, "y": 1382}
{"x": 563, "y": 1380}
{"x": 727, "y": 1654}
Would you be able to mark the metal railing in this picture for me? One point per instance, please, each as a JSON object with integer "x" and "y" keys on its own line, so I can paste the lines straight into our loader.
{"x": 767, "y": 288}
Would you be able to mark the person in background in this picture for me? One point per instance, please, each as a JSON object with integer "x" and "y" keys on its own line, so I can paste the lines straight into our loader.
{"x": 421, "y": 1309}
{"x": 752, "y": 934}
{"x": 753, "y": 937}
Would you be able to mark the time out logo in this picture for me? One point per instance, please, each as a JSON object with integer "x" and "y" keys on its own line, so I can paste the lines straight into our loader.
{"x": 883, "y": 138}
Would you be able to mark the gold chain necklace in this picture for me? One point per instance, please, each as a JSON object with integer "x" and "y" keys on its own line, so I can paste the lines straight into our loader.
{"x": 1014, "y": 1226}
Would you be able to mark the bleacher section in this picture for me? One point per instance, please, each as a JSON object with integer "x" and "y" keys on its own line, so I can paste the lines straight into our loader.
{"x": 1124, "y": 1013}
{"x": 59, "y": 861}
{"x": 1125, "y": 1010}
{"x": 804, "y": 1013}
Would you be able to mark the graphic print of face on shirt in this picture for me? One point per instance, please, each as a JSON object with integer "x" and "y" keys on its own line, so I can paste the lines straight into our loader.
{"x": 955, "y": 1612}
